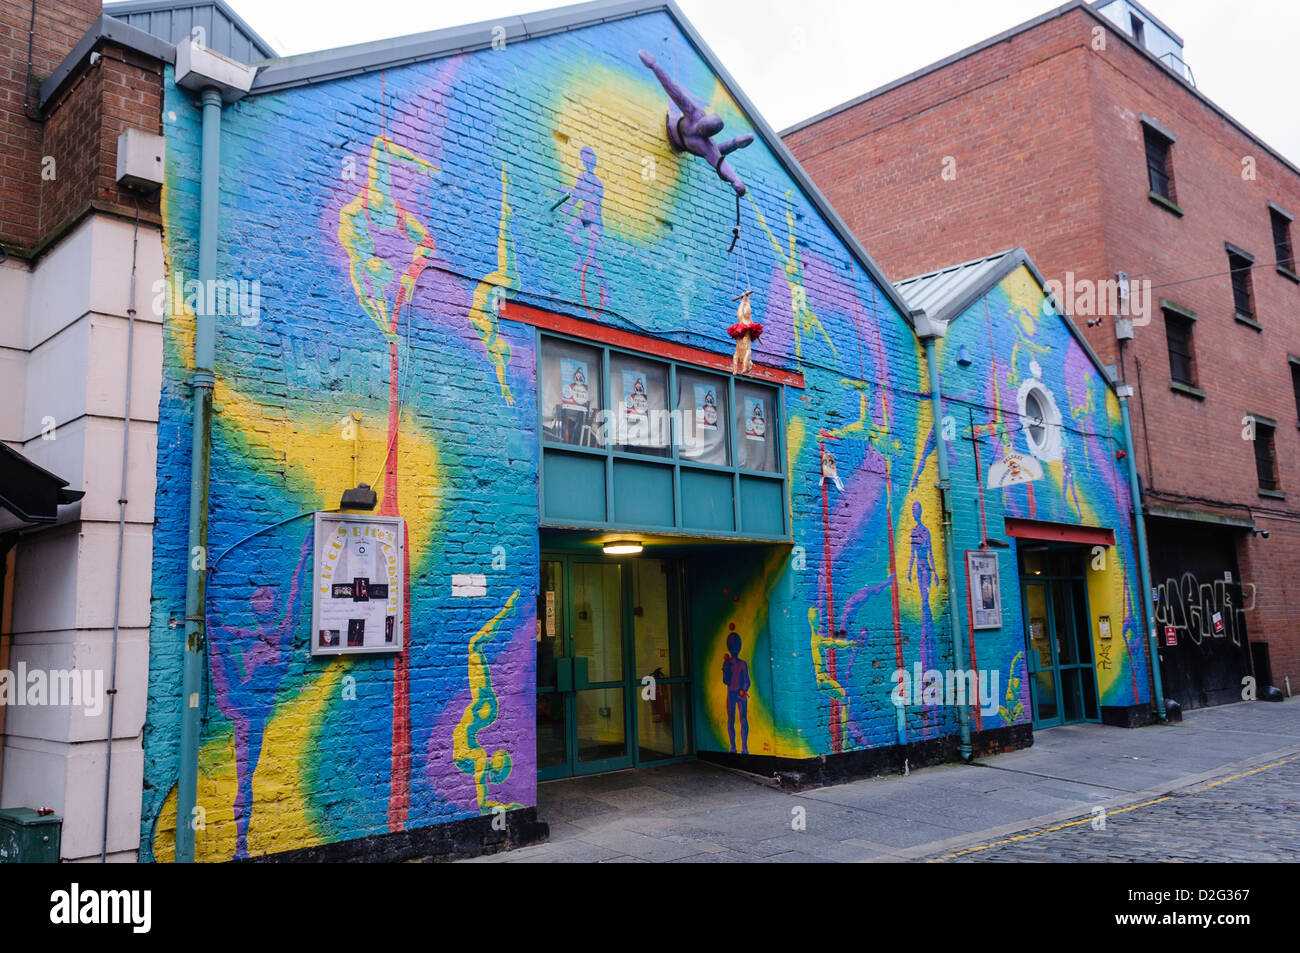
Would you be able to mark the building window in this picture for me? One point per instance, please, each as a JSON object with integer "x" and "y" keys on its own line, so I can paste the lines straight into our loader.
{"x": 1139, "y": 29}
{"x": 1295, "y": 383}
{"x": 1239, "y": 265}
{"x": 1159, "y": 174}
{"x": 1265, "y": 456}
{"x": 634, "y": 442}
{"x": 1182, "y": 360}
{"x": 1282, "y": 240}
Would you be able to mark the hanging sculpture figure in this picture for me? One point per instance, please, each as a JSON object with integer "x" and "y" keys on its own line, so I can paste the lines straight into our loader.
{"x": 692, "y": 130}
{"x": 745, "y": 332}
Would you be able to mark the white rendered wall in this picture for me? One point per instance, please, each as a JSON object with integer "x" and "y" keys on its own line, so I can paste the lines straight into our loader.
{"x": 63, "y": 344}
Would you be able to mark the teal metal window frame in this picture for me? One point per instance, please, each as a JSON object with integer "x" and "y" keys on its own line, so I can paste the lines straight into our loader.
{"x": 673, "y": 459}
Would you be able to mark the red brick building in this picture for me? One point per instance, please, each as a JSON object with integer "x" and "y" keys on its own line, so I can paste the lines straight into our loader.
{"x": 1080, "y": 136}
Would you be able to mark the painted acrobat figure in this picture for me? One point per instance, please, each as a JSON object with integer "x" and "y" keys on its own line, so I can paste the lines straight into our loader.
{"x": 826, "y": 682}
{"x": 922, "y": 560}
{"x": 245, "y": 687}
{"x": 735, "y": 675}
{"x": 468, "y": 753}
{"x": 693, "y": 130}
{"x": 585, "y": 208}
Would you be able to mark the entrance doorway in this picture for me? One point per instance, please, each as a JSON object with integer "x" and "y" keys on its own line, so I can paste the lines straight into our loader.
{"x": 1058, "y": 636}
{"x": 613, "y": 681}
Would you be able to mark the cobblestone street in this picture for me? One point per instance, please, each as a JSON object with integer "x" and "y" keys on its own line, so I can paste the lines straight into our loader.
{"x": 1254, "y": 816}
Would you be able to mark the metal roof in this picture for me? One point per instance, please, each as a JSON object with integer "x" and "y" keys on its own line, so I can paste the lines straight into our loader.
{"x": 174, "y": 20}
{"x": 946, "y": 294}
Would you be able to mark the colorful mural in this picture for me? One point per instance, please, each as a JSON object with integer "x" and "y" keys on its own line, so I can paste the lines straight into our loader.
{"x": 420, "y": 201}
{"x": 1032, "y": 402}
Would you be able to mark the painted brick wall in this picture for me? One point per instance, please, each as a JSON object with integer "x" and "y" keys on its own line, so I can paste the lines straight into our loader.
{"x": 466, "y": 163}
{"x": 1049, "y": 155}
{"x": 1014, "y": 338}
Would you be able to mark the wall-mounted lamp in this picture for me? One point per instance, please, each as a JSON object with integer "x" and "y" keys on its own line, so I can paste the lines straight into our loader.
{"x": 622, "y": 547}
{"x": 360, "y": 497}
{"x": 963, "y": 356}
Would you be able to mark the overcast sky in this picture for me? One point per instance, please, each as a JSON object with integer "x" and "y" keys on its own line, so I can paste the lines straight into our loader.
{"x": 795, "y": 58}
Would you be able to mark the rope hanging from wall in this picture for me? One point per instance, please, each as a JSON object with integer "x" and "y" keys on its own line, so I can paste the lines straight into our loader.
{"x": 745, "y": 332}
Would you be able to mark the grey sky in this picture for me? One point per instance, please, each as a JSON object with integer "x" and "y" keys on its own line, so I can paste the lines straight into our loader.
{"x": 795, "y": 58}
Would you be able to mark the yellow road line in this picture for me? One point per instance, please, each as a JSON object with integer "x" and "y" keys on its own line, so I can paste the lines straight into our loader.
{"x": 1089, "y": 820}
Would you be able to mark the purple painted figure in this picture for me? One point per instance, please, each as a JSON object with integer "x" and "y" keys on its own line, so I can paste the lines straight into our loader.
{"x": 735, "y": 675}
{"x": 246, "y": 687}
{"x": 585, "y": 208}
{"x": 923, "y": 562}
{"x": 693, "y": 129}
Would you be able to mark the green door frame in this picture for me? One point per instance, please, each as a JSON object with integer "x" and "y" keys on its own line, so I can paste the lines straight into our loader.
{"x": 1045, "y": 579}
{"x": 571, "y": 678}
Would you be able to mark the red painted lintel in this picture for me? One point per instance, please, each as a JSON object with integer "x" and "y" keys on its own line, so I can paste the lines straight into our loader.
{"x": 651, "y": 346}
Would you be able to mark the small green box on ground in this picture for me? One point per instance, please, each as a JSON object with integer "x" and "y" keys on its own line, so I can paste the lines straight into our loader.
{"x": 28, "y": 836}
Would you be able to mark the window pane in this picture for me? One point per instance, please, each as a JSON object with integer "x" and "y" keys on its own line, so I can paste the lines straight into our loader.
{"x": 1264, "y": 463}
{"x": 1157, "y": 152}
{"x": 1282, "y": 240}
{"x": 756, "y": 423}
{"x": 656, "y": 635}
{"x": 640, "y": 420}
{"x": 1178, "y": 332}
{"x": 571, "y": 393}
{"x": 702, "y": 399}
{"x": 1241, "y": 284}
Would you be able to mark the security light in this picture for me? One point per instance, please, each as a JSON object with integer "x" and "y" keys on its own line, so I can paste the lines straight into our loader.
{"x": 622, "y": 547}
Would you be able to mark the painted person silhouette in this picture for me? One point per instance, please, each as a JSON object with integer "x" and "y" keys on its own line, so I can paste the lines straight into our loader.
{"x": 922, "y": 561}
{"x": 246, "y": 685}
{"x": 585, "y": 208}
{"x": 735, "y": 675}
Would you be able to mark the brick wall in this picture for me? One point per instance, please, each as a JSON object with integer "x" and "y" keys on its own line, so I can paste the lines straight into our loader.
{"x": 1049, "y": 154}
{"x": 52, "y": 171}
{"x": 59, "y": 25}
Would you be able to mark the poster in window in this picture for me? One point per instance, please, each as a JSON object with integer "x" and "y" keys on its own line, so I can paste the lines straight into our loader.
{"x": 636, "y": 408}
{"x": 985, "y": 590}
{"x": 706, "y": 407}
{"x": 357, "y": 584}
{"x": 575, "y": 392}
{"x": 755, "y": 421}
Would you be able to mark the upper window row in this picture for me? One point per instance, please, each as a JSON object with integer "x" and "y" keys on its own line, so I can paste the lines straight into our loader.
{"x": 655, "y": 409}
{"x": 1158, "y": 144}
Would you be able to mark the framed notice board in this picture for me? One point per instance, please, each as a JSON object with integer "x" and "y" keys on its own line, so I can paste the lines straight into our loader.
{"x": 357, "y": 596}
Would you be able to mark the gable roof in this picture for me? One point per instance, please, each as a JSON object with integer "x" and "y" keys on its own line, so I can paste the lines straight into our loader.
{"x": 307, "y": 68}
{"x": 1025, "y": 27}
{"x": 173, "y": 20}
{"x": 946, "y": 294}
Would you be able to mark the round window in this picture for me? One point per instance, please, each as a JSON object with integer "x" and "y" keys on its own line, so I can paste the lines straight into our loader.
{"x": 1040, "y": 420}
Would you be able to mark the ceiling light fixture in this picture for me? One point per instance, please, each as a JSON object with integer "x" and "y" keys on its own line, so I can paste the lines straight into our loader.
{"x": 622, "y": 547}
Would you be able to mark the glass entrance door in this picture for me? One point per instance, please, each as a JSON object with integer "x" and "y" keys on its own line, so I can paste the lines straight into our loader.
{"x": 612, "y": 682}
{"x": 1058, "y": 636}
